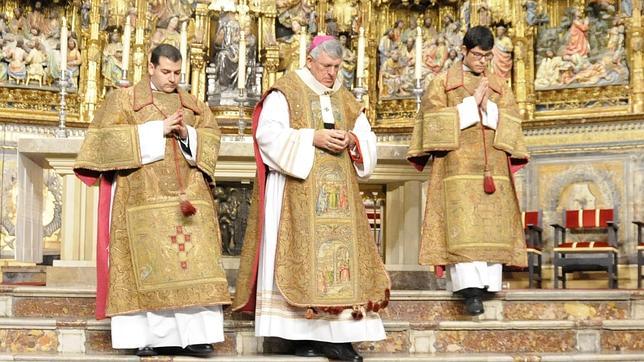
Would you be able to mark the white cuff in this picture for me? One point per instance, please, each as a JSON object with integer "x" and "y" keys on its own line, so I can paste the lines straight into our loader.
{"x": 151, "y": 141}
{"x": 468, "y": 112}
{"x": 492, "y": 116}
{"x": 192, "y": 143}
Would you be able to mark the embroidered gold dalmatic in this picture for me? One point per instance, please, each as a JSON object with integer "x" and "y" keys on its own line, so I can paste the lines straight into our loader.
{"x": 326, "y": 255}
{"x": 462, "y": 223}
{"x": 159, "y": 259}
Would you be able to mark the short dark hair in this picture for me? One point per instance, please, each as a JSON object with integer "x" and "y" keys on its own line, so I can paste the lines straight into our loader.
{"x": 167, "y": 51}
{"x": 480, "y": 36}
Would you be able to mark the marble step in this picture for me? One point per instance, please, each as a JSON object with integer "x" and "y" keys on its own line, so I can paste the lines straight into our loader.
{"x": 24, "y": 275}
{"x": 376, "y": 357}
{"x": 36, "y": 335}
{"x": 408, "y": 306}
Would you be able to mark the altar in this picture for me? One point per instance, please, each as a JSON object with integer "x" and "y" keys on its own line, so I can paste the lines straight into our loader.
{"x": 395, "y": 189}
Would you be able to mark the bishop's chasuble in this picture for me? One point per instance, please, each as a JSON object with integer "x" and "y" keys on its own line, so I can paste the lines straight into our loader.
{"x": 310, "y": 268}
{"x": 462, "y": 222}
{"x": 159, "y": 259}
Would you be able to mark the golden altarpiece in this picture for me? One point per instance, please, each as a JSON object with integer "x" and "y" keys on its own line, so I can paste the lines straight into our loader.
{"x": 576, "y": 68}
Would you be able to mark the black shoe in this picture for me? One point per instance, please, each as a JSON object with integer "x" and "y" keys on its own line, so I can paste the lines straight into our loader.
{"x": 340, "y": 351}
{"x": 307, "y": 349}
{"x": 146, "y": 352}
{"x": 198, "y": 350}
{"x": 470, "y": 292}
{"x": 474, "y": 306}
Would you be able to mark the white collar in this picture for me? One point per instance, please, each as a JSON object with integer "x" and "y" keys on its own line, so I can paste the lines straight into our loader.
{"x": 317, "y": 87}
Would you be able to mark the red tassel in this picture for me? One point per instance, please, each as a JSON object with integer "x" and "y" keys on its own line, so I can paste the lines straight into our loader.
{"x": 488, "y": 182}
{"x": 187, "y": 208}
{"x": 369, "y": 306}
{"x": 357, "y": 313}
{"x": 376, "y": 307}
{"x": 310, "y": 313}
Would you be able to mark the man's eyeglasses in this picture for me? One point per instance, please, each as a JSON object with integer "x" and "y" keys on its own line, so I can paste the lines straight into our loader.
{"x": 481, "y": 56}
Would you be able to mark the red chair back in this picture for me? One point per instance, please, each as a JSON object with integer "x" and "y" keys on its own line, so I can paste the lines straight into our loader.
{"x": 531, "y": 218}
{"x": 588, "y": 218}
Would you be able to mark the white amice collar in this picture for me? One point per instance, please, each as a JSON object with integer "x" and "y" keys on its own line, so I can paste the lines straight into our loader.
{"x": 317, "y": 87}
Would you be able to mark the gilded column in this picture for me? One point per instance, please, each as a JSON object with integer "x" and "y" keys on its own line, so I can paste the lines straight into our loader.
{"x": 139, "y": 58}
{"x": 475, "y": 5}
{"x": 523, "y": 61}
{"x": 92, "y": 60}
{"x": 637, "y": 77}
{"x": 199, "y": 50}
{"x": 269, "y": 54}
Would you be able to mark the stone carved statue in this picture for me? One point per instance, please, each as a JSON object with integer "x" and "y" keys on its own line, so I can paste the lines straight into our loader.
{"x": 85, "y": 9}
{"x": 590, "y": 54}
{"x": 17, "y": 56}
{"x": 226, "y": 58}
{"x": 390, "y": 82}
{"x": 18, "y": 25}
{"x": 349, "y": 59}
{"x": 36, "y": 60}
{"x": 112, "y": 68}
{"x": 411, "y": 30}
{"x": 532, "y": 15}
{"x": 232, "y": 204}
{"x": 37, "y": 19}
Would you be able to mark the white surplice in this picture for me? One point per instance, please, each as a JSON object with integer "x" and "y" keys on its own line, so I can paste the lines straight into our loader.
{"x": 288, "y": 151}
{"x": 171, "y": 328}
{"x": 476, "y": 274}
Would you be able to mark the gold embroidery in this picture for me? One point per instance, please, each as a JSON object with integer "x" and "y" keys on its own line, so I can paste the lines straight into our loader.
{"x": 110, "y": 148}
{"x": 323, "y": 225}
{"x": 207, "y": 151}
{"x": 147, "y": 271}
{"x": 332, "y": 223}
{"x": 161, "y": 260}
{"x": 462, "y": 223}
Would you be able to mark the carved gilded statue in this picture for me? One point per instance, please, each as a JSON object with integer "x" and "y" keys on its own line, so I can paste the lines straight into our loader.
{"x": 343, "y": 12}
{"x": 391, "y": 82}
{"x": 502, "y": 50}
{"x": 37, "y": 19}
{"x": 74, "y": 60}
{"x": 577, "y": 36}
{"x": 36, "y": 60}
{"x": 167, "y": 32}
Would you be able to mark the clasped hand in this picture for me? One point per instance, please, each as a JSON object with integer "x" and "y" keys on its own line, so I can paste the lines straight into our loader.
{"x": 480, "y": 94}
{"x": 333, "y": 140}
{"x": 174, "y": 126}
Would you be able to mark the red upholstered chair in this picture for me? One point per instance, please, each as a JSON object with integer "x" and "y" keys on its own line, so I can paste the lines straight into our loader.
{"x": 640, "y": 254}
{"x": 534, "y": 244}
{"x": 576, "y": 247}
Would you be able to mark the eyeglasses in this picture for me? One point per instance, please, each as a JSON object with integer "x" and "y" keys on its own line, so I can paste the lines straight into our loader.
{"x": 481, "y": 56}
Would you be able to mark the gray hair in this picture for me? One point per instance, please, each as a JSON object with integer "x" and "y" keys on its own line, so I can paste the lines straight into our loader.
{"x": 332, "y": 48}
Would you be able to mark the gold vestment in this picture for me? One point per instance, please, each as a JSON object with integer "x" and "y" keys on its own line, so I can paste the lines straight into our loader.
{"x": 326, "y": 256}
{"x": 462, "y": 223}
{"x": 159, "y": 259}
